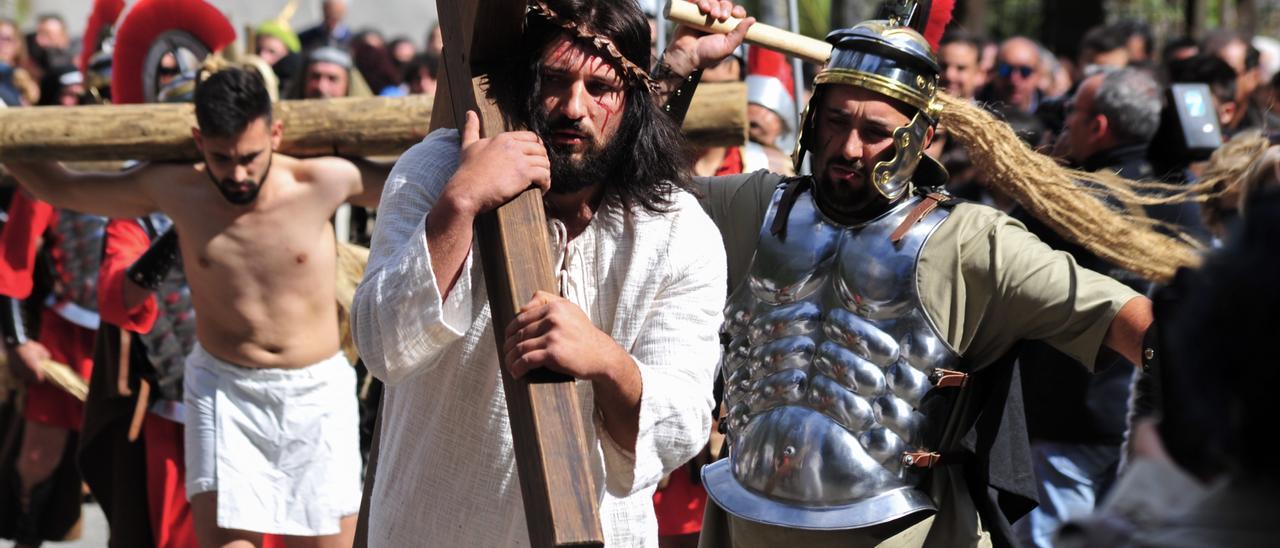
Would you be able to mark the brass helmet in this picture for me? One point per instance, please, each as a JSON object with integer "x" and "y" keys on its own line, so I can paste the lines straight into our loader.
{"x": 894, "y": 60}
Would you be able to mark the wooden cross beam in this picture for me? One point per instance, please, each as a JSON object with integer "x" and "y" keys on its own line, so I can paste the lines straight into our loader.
{"x": 349, "y": 127}
{"x": 374, "y": 126}
{"x": 549, "y": 434}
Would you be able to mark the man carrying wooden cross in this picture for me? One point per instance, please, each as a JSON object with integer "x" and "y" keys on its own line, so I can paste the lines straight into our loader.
{"x": 271, "y": 437}
{"x": 641, "y": 276}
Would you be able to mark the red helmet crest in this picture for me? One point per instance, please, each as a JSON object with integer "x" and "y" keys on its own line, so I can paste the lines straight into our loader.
{"x": 154, "y": 26}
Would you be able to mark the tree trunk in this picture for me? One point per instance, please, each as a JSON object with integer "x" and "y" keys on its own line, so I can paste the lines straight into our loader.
{"x": 1196, "y": 11}
{"x": 1065, "y": 23}
{"x": 973, "y": 15}
{"x": 1247, "y": 17}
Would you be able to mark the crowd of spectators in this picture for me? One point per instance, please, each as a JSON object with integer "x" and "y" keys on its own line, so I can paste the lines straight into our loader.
{"x": 327, "y": 60}
{"x": 1105, "y": 105}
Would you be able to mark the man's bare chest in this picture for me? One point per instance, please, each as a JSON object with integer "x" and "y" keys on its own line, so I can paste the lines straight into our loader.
{"x": 281, "y": 243}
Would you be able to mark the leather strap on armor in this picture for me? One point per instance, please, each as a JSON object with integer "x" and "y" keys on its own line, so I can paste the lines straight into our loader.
{"x": 150, "y": 270}
{"x": 921, "y": 459}
{"x": 930, "y": 202}
{"x": 794, "y": 186}
{"x": 12, "y": 322}
{"x": 946, "y": 378}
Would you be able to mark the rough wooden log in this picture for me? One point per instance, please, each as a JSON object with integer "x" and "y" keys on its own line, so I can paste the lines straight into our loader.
{"x": 350, "y": 127}
{"x": 353, "y": 127}
{"x": 717, "y": 116}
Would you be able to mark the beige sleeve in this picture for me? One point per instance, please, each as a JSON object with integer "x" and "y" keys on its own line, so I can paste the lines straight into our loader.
{"x": 986, "y": 283}
{"x": 738, "y": 205}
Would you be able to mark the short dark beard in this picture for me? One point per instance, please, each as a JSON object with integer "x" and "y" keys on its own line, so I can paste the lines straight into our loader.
{"x": 848, "y": 206}
{"x": 240, "y": 198}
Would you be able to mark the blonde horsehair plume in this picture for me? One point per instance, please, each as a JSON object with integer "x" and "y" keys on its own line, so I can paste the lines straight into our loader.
{"x": 1263, "y": 174}
{"x": 67, "y": 379}
{"x": 269, "y": 77}
{"x": 1224, "y": 173}
{"x": 216, "y": 62}
{"x": 57, "y": 374}
{"x": 351, "y": 262}
{"x": 212, "y": 64}
{"x": 1070, "y": 202}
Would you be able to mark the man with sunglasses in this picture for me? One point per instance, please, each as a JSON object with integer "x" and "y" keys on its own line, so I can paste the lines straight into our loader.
{"x": 1016, "y": 75}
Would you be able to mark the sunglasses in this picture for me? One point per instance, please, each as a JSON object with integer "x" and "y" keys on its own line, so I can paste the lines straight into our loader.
{"x": 1006, "y": 70}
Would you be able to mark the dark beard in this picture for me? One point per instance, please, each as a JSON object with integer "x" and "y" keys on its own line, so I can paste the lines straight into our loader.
{"x": 239, "y": 198}
{"x": 569, "y": 174}
{"x": 844, "y": 204}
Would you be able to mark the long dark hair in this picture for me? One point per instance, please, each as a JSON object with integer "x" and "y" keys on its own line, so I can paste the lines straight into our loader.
{"x": 655, "y": 164}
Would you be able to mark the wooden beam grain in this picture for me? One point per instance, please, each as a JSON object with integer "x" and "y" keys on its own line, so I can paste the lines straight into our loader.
{"x": 349, "y": 126}
{"x": 553, "y": 459}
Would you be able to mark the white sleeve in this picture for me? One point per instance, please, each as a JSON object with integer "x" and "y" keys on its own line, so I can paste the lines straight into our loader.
{"x": 677, "y": 353}
{"x": 401, "y": 322}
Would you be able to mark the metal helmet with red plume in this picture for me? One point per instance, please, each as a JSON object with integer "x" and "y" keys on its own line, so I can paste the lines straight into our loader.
{"x": 892, "y": 57}
{"x": 187, "y": 30}
{"x": 94, "y": 60}
{"x": 101, "y": 19}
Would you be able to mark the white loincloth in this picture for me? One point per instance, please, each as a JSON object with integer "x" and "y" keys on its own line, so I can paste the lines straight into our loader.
{"x": 280, "y": 446}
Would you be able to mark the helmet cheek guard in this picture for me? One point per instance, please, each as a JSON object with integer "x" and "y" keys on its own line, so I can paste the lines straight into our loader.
{"x": 893, "y": 177}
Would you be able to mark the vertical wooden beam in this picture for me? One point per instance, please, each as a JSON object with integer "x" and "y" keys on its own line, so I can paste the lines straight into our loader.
{"x": 549, "y": 434}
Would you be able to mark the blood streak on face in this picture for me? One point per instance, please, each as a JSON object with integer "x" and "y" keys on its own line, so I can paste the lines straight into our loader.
{"x": 581, "y": 94}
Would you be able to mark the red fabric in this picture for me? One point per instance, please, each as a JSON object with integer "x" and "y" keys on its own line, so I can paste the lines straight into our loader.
{"x": 144, "y": 23}
{"x": 939, "y": 17}
{"x": 172, "y": 524}
{"x": 69, "y": 344}
{"x": 170, "y": 513}
{"x": 19, "y": 242}
{"x": 126, "y": 241}
{"x": 762, "y": 61}
{"x": 732, "y": 163}
{"x": 679, "y": 506}
{"x": 103, "y": 15}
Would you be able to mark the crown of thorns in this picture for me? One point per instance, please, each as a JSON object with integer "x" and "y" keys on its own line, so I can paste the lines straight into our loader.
{"x": 604, "y": 45}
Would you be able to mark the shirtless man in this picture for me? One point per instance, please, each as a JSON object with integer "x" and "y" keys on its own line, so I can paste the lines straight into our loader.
{"x": 271, "y": 440}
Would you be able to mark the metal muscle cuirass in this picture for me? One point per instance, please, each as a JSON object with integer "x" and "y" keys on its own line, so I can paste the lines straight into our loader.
{"x": 829, "y": 359}
{"x": 78, "y": 249}
{"x": 174, "y": 333}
